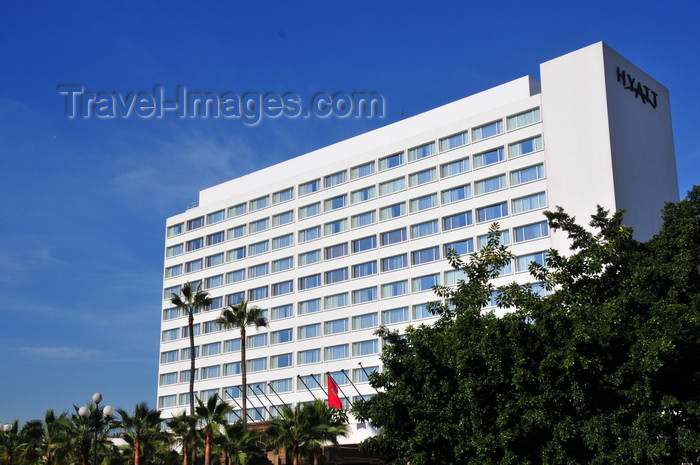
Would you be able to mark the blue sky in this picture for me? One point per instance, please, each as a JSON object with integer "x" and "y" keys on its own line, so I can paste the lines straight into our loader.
{"x": 84, "y": 201}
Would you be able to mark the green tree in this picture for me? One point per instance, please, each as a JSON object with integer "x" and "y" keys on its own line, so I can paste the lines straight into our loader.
{"x": 48, "y": 441}
{"x": 189, "y": 302}
{"x": 237, "y": 445}
{"x": 141, "y": 430}
{"x": 240, "y": 316}
{"x": 10, "y": 441}
{"x": 211, "y": 416}
{"x": 185, "y": 427}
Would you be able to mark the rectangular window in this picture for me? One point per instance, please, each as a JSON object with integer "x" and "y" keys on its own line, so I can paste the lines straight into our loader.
{"x": 335, "y": 227}
{"x": 283, "y": 241}
{"x": 257, "y": 340}
{"x": 461, "y": 247}
{"x": 332, "y": 302}
{"x": 235, "y": 254}
{"x": 459, "y": 220}
{"x": 336, "y": 251}
{"x": 185, "y": 354}
{"x": 214, "y": 260}
{"x": 454, "y": 168}
{"x": 523, "y": 262}
{"x": 173, "y": 271}
{"x": 393, "y": 237}
{"x": 310, "y": 187}
{"x": 235, "y": 298}
{"x": 310, "y": 331}
{"x": 487, "y": 130}
{"x": 397, "y": 315}
{"x": 492, "y": 212}
{"x": 392, "y": 211}
{"x": 259, "y": 247}
{"x": 364, "y": 269}
{"x": 365, "y": 348}
{"x": 424, "y": 283}
{"x": 309, "y": 234}
{"x": 237, "y": 210}
{"x": 363, "y": 219}
{"x": 531, "y": 202}
{"x": 169, "y": 291}
{"x": 490, "y": 185}
{"x": 531, "y": 231}
{"x": 282, "y": 336}
{"x": 309, "y": 210}
{"x": 211, "y": 349}
{"x": 258, "y": 293}
{"x": 174, "y": 230}
{"x": 281, "y": 312}
{"x": 394, "y": 289}
{"x": 214, "y": 281}
{"x": 232, "y": 392}
{"x": 236, "y": 232}
{"x": 216, "y": 217}
{"x": 174, "y": 250}
{"x": 335, "y": 203}
{"x": 421, "y": 311}
{"x": 257, "y": 364}
{"x": 282, "y": 218}
{"x": 488, "y": 158}
{"x": 423, "y": 203}
{"x": 309, "y": 258}
{"x": 363, "y": 195}
{"x": 259, "y": 203}
{"x": 210, "y": 372}
{"x": 232, "y": 345}
{"x": 430, "y": 254}
{"x": 304, "y": 357}
{"x": 282, "y": 385}
{"x": 286, "y": 287}
{"x": 336, "y": 352}
{"x": 362, "y": 170}
{"x": 195, "y": 223}
{"x": 452, "y": 277}
{"x": 368, "y": 320}
{"x": 283, "y": 196}
{"x": 336, "y": 276}
{"x": 167, "y": 401}
{"x": 281, "y": 361}
{"x": 235, "y": 276}
{"x": 425, "y": 229}
{"x": 523, "y": 119}
{"x": 395, "y": 185}
{"x": 194, "y": 265}
{"x": 309, "y": 282}
{"x": 283, "y": 264}
{"x": 456, "y": 194}
{"x": 336, "y": 326}
{"x": 422, "y": 177}
{"x": 171, "y": 313}
{"x": 524, "y": 147}
{"x": 258, "y": 270}
{"x": 216, "y": 303}
{"x": 452, "y": 142}
{"x": 257, "y": 388}
{"x": 361, "y": 375}
{"x": 526, "y": 175}
{"x": 392, "y": 161}
{"x": 232, "y": 369}
{"x": 394, "y": 263}
{"x": 195, "y": 244}
{"x": 360, "y": 296}
{"x": 423, "y": 151}
{"x": 335, "y": 179}
{"x": 168, "y": 357}
{"x": 365, "y": 243}
{"x": 260, "y": 225}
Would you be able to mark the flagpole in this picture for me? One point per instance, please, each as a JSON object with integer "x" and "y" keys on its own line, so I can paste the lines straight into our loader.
{"x": 239, "y": 406}
{"x": 366, "y": 374}
{"x": 273, "y": 390}
{"x": 268, "y": 399}
{"x": 336, "y": 384}
{"x": 261, "y": 403}
{"x": 307, "y": 387}
{"x": 353, "y": 384}
{"x": 319, "y": 385}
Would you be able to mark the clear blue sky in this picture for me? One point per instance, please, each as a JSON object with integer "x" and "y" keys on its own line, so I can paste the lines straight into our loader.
{"x": 84, "y": 201}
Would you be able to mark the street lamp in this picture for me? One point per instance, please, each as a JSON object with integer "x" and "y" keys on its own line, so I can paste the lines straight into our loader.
{"x": 10, "y": 441}
{"x": 97, "y": 419}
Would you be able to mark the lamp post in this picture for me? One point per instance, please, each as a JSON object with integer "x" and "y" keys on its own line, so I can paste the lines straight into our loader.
{"x": 97, "y": 419}
{"x": 9, "y": 441}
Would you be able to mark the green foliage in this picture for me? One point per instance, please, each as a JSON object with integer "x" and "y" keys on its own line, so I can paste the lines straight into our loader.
{"x": 604, "y": 370}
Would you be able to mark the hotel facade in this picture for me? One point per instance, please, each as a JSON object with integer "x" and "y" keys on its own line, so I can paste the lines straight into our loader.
{"x": 338, "y": 241}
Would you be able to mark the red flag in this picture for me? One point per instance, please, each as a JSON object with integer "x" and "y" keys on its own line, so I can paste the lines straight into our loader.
{"x": 333, "y": 399}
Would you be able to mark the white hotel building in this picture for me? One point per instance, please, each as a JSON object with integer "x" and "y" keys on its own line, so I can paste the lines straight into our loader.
{"x": 338, "y": 241}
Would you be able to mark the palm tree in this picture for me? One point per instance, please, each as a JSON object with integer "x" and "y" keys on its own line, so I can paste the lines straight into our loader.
{"x": 48, "y": 440}
{"x": 240, "y": 316}
{"x": 10, "y": 441}
{"x": 211, "y": 414}
{"x": 304, "y": 429}
{"x": 185, "y": 426}
{"x": 191, "y": 301}
{"x": 237, "y": 445}
{"x": 139, "y": 428}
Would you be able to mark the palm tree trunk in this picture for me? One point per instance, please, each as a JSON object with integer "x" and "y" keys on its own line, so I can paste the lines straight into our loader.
{"x": 190, "y": 325}
{"x": 207, "y": 450}
{"x": 137, "y": 451}
{"x": 184, "y": 454}
{"x": 244, "y": 380}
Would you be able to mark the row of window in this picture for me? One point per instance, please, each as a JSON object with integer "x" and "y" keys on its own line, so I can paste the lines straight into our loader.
{"x": 426, "y": 150}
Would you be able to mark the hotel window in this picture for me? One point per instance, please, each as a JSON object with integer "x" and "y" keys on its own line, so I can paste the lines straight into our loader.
{"x": 425, "y": 229}
{"x": 421, "y": 311}
{"x": 526, "y": 175}
{"x": 392, "y": 211}
{"x": 232, "y": 345}
{"x": 310, "y": 331}
{"x": 461, "y": 247}
{"x": 258, "y": 293}
{"x": 216, "y": 217}
{"x": 362, "y": 170}
{"x": 524, "y": 147}
{"x": 185, "y": 355}
{"x": 335, "y": 227}
{"x": 335, "y": 179}
{"x": 393, "y": 237}
{"x": 335, "y": 203}
{"x": 281, "y": 361}
{"x": 332, "y": 302}
{"x": 531, "y": 231}
{"x": 260, "y": 225}
{"x": 232, "y": 392}
{"x": 490, "y": 185}
{"x": 257, "y": 364}
{"x": 394, "y": 289}
{"x": 211, "y": 349}
{"x": 256, "y": 388}
{"x": 336, "y": 352}
{"x": 459, "y": 220}
{"x": 236, "y": 232}
{"x": 395, "y": 263}
{"x": 174, "y": 250}
{"x": 282, "y": 218}
{"x": 395, "y": 185}
{"x": 336, "y": 276}
{"x": 286, "y": 287}
{"x": 364, "y": 269}
{"x": 259, "y": 247}
{"x": 523, "y": 262}
{"x": 283, "y": 241}
{"x": 170, "y": 335}
{"x": 283, "y": 196}
{"x": 257, "y": 340}
{"x": 195, "y": 244}
{"x": 454, "y": 168}
{"x": 214, "y": 260}
{"x": 423, "y": 203}
{"x": 423, "y": 151}
{"x": 309, "y": 258}
{"x": 196, "y": 330}
{"x": 216, "y": 238}
{"x": 309, "y": 282}
{"x": 169, "y": 356}
{"x": 208, "y": 394}
{"x": 392, "y": 161}
{"x": 456, "y": 194}
{"x": 235, "y": 254}
{"x": 491, "y": 212}
{"x": 361, "y": 375}
{"x": 424, "y": 283}
{"x": 174, "y": 230}
{"x": 368, "y": 320}
{"x": 487, "y": 130}
{"x": 523, "y": 119}
{"x": 454, "y": 276}
{"x": 214, "y": 281}
{"x": 336, "y": 251}
{"x": 282, "y": 312}
{"x": 306, "y": 357}
{"x": 310, "y": 187}
{"x": 309, "y": 210}
{"x": 363, "y": 244}
{"x": 363, "y": 219}
{"x": 169, "y": 291}
{"x": 309, "y": 234}
{"x": 363, "y": 195}
{"x": 360, "y": 296}
{"x": 397, "y": 315}
{"x": 235, "y": 276}
{"x": 237, "y": 210}
{"x": 488, "y": 158}
{"x": 259, "y": 203}
{"x": 195, "y": 223}
{"x": 365, "y": 348}
{"x": 422, "y": 177}
{"x": 167, "y": 401}
{"x": 173, "y": 271}
{"x": 171, "y": 313}
{"x": 430, "y": 254}
{"x": 336, "y": 326}
{"x": 283, "y": 264}
{"x": 235, "y": 298}
{"x": 531, "y": 202}
{"x": 452, "y": 142}
{"x": 281, "y": 385}
{"x": 194, "y": 265}
{"x": 216, "y": 303}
